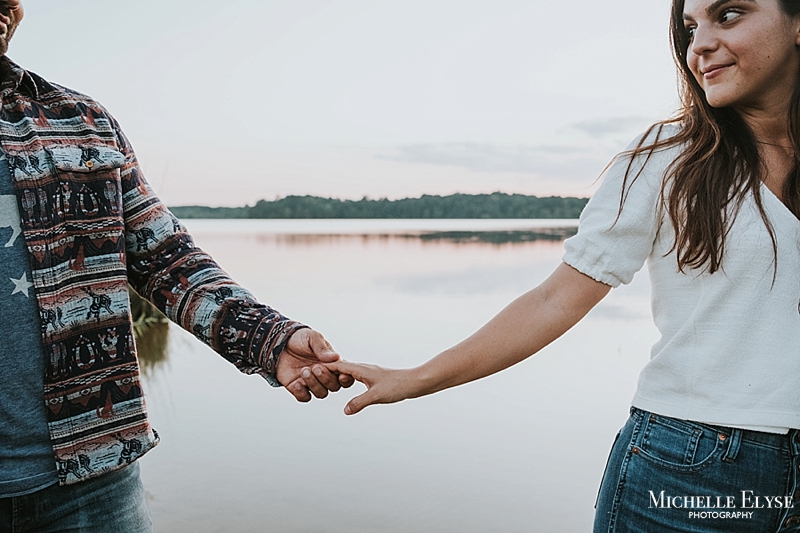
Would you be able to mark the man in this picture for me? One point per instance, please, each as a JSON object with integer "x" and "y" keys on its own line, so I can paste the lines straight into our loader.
{"x": 78, "y": 223}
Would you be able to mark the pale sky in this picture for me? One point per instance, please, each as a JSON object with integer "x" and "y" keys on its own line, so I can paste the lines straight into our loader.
{"x": 229, "y": 102}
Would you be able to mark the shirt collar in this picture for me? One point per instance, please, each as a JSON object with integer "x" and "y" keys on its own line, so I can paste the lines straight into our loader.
{"x": 14, "y": 78}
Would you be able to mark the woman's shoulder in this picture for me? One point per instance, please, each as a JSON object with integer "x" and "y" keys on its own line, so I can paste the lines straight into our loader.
{"x": 651, "y": 152}
{"x": 659, "y": 137}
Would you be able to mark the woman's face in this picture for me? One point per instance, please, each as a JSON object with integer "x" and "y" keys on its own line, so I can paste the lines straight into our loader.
{"x": 743, "y": 53}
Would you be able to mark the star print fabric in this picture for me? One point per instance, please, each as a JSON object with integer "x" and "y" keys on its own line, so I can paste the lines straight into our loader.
{"x": 26, "y": 456}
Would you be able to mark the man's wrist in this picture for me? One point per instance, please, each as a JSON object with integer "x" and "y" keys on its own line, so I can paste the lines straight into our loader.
{"x": 289, "y": 328}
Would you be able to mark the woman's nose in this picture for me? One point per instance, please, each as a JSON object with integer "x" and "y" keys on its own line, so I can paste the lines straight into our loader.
{"x": 703, "y": 41}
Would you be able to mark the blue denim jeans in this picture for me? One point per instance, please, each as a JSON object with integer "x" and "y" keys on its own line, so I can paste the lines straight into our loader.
{"x": 670, "y": 475}
{"x": 113, "y": 502}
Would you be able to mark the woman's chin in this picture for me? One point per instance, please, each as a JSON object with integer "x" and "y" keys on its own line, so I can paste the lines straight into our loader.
{"x": 719, "y": 97}
{"x": 718, "y": 100}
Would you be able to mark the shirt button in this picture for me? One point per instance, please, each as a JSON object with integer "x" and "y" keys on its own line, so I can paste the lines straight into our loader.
{"x": 89, "y": 164}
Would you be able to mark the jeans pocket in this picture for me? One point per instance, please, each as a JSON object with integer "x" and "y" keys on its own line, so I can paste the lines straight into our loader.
{"x": 679, "y": 445}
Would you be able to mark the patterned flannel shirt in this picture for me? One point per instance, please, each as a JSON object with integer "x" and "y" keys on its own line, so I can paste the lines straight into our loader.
{"x": 92, "y": 225}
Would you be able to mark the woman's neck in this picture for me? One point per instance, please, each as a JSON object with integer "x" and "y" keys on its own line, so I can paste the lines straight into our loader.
{"x": 775, "y": 145}
{"x": 769, "y": 126}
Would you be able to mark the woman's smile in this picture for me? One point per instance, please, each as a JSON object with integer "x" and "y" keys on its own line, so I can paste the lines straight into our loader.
{"x": 714, "y": 71}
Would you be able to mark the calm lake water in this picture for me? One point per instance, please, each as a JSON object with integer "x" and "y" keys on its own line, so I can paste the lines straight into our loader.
{"x": 521, "y": 451}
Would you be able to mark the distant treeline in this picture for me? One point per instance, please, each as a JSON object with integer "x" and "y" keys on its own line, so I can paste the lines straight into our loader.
{"x": 495, "y": 205}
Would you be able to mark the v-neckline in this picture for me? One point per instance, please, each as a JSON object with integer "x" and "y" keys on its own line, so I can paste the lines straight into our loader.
{"x": 767, "y": 192}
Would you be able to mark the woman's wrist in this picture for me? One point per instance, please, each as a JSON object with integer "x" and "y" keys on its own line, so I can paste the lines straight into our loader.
{"x": 423, "y": 380}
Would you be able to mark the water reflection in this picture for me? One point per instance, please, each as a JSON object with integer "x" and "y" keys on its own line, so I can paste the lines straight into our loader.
{"x": 472, "y": 280}
{"x": 521, "y": 451}
{"x": 151, "y": 327}
{"x": 555, "y": 234}
{"x": 151, "y": 331}
{"x": 500, "y": 237}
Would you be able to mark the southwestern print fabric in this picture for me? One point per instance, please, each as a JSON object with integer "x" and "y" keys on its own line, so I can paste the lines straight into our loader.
{"x": 92, "y": 225}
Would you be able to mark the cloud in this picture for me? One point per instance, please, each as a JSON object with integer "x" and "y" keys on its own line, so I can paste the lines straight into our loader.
{"x": 570, "y": 151}
{"x": 485, "y": 157}
{"x": 603, "y": 128}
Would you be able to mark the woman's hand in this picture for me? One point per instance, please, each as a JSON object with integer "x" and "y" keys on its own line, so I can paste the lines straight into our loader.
{"x": 384, "y": 385}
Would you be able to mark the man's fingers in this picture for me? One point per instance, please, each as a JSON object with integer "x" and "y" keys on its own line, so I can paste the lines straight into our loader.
{"x": 320, "y": 384}
{"x": 326, "y": 377}
{"x": 346, "y": 380}
{"x": 321, "y": 348}
{"x": 317, "y": 389}
{"x": 299, "y": 390}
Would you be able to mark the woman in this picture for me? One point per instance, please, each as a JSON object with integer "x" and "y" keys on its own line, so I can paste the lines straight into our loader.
{"x": 710, "y": 200}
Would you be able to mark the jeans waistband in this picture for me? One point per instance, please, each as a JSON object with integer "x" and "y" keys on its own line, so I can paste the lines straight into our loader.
{"x": 789, "y": 441}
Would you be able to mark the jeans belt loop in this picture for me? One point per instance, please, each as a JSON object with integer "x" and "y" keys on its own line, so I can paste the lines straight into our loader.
{"x": 734, "y": 442}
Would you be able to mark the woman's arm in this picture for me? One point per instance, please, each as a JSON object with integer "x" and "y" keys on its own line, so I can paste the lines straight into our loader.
{"x": 524, "y": 327}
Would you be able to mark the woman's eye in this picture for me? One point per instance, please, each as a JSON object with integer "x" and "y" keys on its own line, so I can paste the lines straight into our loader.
{"x": 690, "y": 31}
{"x": 729, "y": 16}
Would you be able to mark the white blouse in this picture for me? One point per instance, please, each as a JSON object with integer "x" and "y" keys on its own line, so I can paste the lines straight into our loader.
{"x": 729, "y": 352}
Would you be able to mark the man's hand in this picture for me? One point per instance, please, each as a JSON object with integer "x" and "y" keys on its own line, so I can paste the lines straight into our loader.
{"x": 300, "y": 369}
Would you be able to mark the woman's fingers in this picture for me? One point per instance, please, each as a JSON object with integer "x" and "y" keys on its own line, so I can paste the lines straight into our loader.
{"x": 383, "y": 385}
{"x": 357, "y": 371}
{"x": 359, "y": 402}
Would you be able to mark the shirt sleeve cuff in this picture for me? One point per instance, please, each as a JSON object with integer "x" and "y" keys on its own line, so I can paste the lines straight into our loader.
{"x": 281, "y": 335}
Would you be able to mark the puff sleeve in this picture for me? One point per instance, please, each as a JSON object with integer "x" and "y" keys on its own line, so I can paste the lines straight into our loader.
{"x": 613, "y": 244}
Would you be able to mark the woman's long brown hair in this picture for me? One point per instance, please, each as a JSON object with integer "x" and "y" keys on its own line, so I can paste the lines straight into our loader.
{"x": 719, "y": 165}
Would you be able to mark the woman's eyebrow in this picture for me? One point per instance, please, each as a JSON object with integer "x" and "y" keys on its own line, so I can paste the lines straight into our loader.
{"x": 715, "y": 6}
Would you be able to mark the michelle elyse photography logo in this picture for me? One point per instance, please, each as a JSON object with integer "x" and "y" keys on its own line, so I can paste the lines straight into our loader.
{"x": 741, "y": 506}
